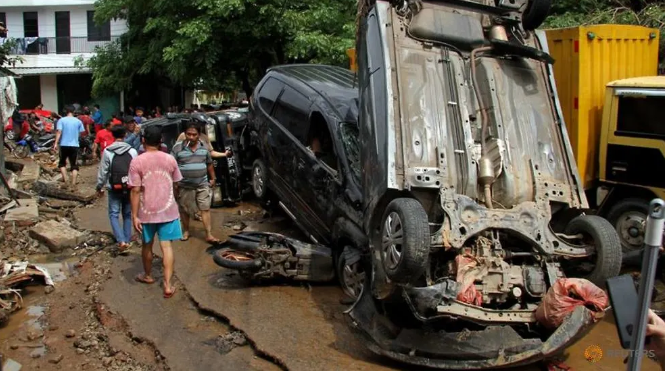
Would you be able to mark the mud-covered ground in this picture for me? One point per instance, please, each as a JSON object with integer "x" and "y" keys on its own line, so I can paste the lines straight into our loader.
{"x": 99, "y": 318}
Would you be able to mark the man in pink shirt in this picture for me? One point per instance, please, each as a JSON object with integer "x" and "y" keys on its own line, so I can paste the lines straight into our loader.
{"x": 154, "y": 209}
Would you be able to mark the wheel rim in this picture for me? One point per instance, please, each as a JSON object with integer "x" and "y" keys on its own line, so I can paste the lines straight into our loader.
{"x": 236, "y": 256}
{"x": 258, "y": 181}
{"x": 631, "y": 228}
{"x": 392, "y": 241}
{"x": 353, "y": 277}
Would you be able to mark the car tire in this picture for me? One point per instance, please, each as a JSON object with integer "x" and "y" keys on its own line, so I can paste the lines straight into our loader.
{"x": 627, "y": 215}
{"x": 405, "y": 240}
{"x": 608, "y": 246}
{"x": 535, "y": 13}
{"x": 351, "y": 276}
{"x": 260, "y": 180}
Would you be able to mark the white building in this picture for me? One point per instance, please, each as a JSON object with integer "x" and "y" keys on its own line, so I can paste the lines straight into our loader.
{"x": 61, "y": 32}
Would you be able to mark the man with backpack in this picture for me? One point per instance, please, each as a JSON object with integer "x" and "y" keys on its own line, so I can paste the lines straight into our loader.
{"x": 113, "y": 175}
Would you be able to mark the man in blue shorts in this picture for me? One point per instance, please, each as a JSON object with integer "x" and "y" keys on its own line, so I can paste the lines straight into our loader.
{"x": 154, "y": 209}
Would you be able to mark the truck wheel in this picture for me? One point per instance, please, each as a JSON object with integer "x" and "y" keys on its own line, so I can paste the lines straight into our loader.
{"x": 629, "y": 218}
{"x": 405, "y": 240}
{"x": 351, "y": 275}
{"x": 535, "y": 13}
{"x": 597, "y": 231}
{"x": 260, "y": 180}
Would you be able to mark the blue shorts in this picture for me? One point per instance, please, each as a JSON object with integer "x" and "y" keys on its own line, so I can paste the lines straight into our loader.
{"x": 169, "y": 231}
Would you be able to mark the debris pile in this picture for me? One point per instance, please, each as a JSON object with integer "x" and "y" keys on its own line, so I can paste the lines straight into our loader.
{"x": 14, "y": 275}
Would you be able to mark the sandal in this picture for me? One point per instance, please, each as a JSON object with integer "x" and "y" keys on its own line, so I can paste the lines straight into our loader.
{"x": 141, "y": 278}
{"x": 214, "y": 241}
{"x": 123, "y": 247}
{"x": 168, "y": 295}
{"x": 185, "y": 236}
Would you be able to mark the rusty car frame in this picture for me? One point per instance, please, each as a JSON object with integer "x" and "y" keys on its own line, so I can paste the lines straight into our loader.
{"x": 472, "y": 200}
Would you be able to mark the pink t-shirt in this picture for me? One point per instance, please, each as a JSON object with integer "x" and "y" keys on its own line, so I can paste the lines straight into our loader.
{"x": 155, "y": 172}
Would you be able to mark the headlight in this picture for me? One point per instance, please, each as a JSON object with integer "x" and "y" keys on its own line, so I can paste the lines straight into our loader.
{"x": 210, "y": 129}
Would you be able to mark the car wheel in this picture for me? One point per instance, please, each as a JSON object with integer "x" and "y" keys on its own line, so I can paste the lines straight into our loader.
{"x": 606, "y": 261}
{"x": 351, "y": 272}
{"x": 259, "y": 180}
{"x": 629, "y": 219}
{"x": 535, "y": 13}
{"x": 405, "y": 240}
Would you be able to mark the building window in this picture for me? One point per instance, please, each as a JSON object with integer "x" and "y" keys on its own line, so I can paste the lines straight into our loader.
{"x": 31, "y": 29}
{"x": 98, "y": 32}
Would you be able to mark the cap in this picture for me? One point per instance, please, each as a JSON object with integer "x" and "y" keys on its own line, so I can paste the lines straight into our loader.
{"x": 128, "y": 119}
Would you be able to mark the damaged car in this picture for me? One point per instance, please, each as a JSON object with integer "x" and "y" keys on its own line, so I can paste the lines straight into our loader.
{"x": 472, "y": 202}
{"x": 305, "y": 126}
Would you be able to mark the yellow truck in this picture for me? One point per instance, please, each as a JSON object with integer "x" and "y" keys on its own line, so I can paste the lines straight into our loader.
{"x": 612, "y": 103}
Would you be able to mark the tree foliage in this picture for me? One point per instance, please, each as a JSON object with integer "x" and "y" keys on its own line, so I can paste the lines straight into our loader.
{"x": 6, "y": 60}
{"x": 648, "y": 13}
{"x": 218, "y": 44}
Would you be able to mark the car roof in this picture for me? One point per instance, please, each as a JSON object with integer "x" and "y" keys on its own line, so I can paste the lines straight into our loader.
{"x": 337, "y": 85}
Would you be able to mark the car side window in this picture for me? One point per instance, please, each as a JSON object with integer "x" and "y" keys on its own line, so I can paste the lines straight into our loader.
{"x": 269, "y": 93}
{"x": 292, "y": 112}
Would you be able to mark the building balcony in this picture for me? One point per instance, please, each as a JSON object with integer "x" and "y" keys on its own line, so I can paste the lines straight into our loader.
{"x": 59, "y": 45}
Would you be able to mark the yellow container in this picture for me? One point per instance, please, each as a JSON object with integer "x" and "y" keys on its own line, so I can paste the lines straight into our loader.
{"x": 351, "y": 53}
{"x": 587, "y": 58}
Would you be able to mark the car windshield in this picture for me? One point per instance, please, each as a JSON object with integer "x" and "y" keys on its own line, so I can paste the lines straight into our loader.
{"x": 349, "y": 134}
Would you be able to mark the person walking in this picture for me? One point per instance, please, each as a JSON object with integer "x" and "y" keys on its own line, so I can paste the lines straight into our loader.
{"x": 103, "y": 138}
{"x": 67, "y": 134}
{"x": 113, "y": 175}
{"x": 194, "y": 191}
{"x": 98, "y": 118}
{"x": 152, "y": 178}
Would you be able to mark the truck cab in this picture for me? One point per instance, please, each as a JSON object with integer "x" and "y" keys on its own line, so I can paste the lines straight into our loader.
{"x": 631, "y": 155}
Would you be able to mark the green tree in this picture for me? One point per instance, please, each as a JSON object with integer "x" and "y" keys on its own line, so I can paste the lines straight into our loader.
{"x": 217, "y": 44}
{"x": 6, "y": 60}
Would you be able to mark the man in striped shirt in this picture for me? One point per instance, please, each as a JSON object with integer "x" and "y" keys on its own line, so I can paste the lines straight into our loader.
{"x": 194, "y": 191}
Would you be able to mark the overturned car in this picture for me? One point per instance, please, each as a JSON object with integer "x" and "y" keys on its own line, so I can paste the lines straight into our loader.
{"x": 472, "y": 202}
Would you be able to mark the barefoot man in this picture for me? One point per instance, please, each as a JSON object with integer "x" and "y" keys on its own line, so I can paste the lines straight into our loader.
{"x": 154, "y": 209}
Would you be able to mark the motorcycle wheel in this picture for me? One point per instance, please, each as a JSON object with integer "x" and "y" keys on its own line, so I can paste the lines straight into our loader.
{"x": 21, "y": 151}
{"x": 238, "y": 260}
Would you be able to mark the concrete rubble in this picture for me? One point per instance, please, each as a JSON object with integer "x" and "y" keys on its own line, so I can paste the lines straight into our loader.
{"x": 57, "y": 236}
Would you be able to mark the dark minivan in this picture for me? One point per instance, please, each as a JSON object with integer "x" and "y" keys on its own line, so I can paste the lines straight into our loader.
{"x": 304, "y": 119}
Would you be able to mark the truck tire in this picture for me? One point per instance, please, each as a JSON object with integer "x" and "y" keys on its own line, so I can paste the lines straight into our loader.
{"x": 535, "y": 13}
{"x": 405, "y": 240}
{"x": 237, "y": 260}
{"x": 629, "y": 219}
{"x": 608, "y": 246}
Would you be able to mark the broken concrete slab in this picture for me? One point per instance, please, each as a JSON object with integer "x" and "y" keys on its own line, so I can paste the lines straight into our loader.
{"x": 54, "y": 189}
{"x": 57, "y": 236}
{"x": 62, "y": 204}
{"x": 29, "y": 174}
{"x": 23, "y": 216}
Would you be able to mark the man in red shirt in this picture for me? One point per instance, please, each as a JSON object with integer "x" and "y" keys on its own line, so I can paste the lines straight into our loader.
{"x": 87, "y": 121}
{"x": 103, "y": 139}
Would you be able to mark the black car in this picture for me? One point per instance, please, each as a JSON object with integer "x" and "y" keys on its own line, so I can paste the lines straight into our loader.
{"x": 306, "y": 130}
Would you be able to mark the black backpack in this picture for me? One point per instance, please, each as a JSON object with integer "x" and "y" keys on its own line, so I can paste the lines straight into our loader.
{"x": 120, "y": 172}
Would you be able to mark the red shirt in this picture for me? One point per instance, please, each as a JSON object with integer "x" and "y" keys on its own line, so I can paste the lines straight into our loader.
{"x": 116, "y": 122}
{"x": 104, "y": 138}
{"x": 87, "y": 122}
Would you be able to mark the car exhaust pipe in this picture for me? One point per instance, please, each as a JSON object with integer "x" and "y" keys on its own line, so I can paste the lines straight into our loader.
{"x": 486, "y": 174}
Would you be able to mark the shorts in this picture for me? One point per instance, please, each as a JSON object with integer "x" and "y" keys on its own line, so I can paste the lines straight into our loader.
{"x": 71, "y": 154}
{"x": 168, "y": 231}
{"x": 192, "y": 200}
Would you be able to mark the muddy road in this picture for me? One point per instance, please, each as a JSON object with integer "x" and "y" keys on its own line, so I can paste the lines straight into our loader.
{"x": 216, "y": 321}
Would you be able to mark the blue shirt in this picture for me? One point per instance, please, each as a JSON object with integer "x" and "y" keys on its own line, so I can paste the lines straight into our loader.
{"x": 133, "y": 140}
{"x": 97, "y": 117}
{"x": 70, "y": 129}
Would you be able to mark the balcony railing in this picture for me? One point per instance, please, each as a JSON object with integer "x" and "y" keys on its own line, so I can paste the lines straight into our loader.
{"x": 58, "y": 45}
